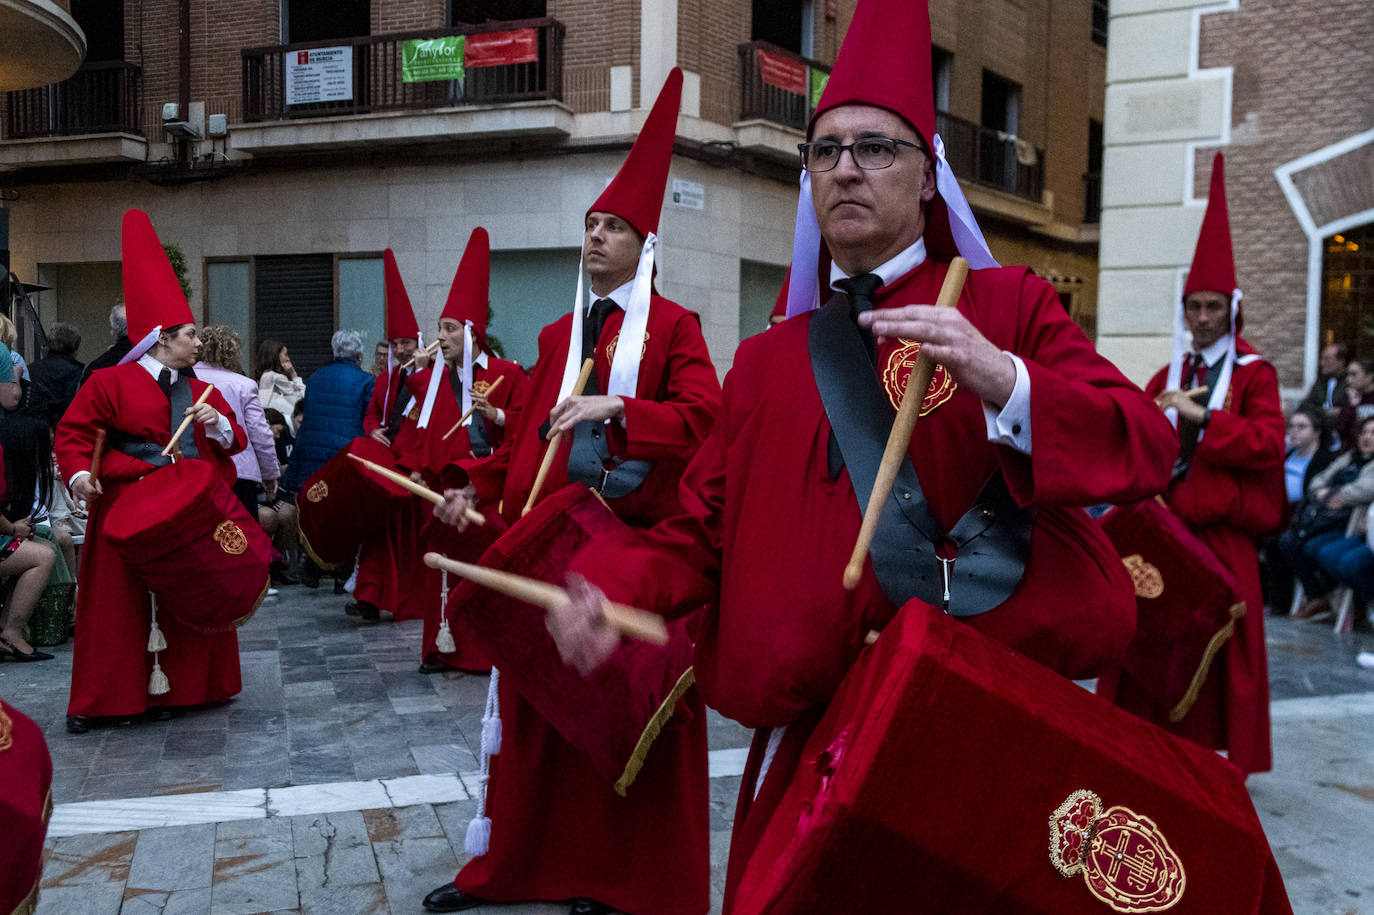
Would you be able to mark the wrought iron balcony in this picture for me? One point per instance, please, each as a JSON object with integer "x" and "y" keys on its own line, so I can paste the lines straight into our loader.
{"x": 378, "y": 83}
{"x": 778, "y": 85}
{"x": 101, "y": 97}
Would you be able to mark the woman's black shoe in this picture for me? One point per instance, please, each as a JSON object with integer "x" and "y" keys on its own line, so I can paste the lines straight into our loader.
{"x": 589, "y": 907}
{"x": 10, "y": 653}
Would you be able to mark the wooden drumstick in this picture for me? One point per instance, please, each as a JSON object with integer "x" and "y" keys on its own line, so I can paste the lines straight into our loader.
{"x": 186, "y": 422}
{"x": 464, "y": 418}
{"x": 419, "y": 489}
{"x": 428, "y": 351}
{"x": 899, "y": 440}
{"x": 96, "y": 452}
{"x": 635, "y": 623}
{"x": 552, "y": 448}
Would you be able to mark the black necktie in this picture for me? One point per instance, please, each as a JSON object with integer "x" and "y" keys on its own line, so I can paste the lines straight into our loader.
{"x": 164, "y": 381}
{"x": 860, "y": 289}
{"x": 1197, "y": 373}
{"x": 591, "y": 333}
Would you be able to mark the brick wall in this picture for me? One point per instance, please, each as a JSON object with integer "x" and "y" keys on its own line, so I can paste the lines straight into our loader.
{"x": 1301, "y": 82}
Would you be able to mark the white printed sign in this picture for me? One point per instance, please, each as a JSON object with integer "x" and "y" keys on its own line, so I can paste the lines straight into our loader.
{"x": 689, "y": 194}
{"x": 319, "y": 75}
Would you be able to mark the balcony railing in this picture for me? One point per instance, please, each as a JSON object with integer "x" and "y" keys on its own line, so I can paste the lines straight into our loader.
{"x": 778, "y": 85}
{"x": 992, "y": 158}
{"x": 101, "y": 97}
{"x": 377, "y": 82}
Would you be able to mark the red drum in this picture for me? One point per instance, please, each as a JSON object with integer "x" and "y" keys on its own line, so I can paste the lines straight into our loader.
{"x": 344, "y": 503}
{"x": 615, "y": 717}
{"x": 1187, "y": 602}
{"x": 188, "y": 540}
{"x": 950, "y": 774}
{"x": 25, "y": 806}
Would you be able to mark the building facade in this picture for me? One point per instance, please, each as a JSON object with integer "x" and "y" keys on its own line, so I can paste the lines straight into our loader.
{"x": 283, "y": 144}
{"x": 1282, "y": 89}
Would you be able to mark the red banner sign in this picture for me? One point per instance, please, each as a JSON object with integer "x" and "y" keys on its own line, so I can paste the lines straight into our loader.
{"x": 499, "y": 49}
{"x": 783, "y": 72}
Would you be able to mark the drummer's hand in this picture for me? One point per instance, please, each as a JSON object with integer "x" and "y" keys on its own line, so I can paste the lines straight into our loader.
{"x": 1187, "y": 407}
{"x": 456, "y": 502}
{"x": 577, "y": 409}
{"x": 381, "y": 436}
{"x": 86, "y": 489}
{"x": 952, "y": 341}
{"x": 579, "y": 628}
{"x": 483, "y": 406}
{"x": 203, "y": 414}
{"x": 421, "y": 358}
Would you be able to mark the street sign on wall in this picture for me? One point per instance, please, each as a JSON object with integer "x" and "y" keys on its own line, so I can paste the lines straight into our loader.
{"x": 319, "y": 75}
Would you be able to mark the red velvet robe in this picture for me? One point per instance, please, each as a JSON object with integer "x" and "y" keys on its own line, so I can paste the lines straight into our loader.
{"x": 559, "y": 830}
{"x": 766, "y": 533}
{"x": 380, "y": 405}
{"x": 426, "y": 450}
{"x": 111, "y": 664}
{"x": 1233, "y": 493}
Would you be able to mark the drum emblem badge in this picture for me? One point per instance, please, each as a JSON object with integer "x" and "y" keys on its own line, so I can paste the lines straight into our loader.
{"x": 317, "y": 492}
{"x": 897, "y": 372}
{"x": 1124, "y": 858}
{"x": 1149, "y": 584}
{"x": 230, "y": 538}
{"x": 481, "y": 387}
{"x": 610, "y": 347}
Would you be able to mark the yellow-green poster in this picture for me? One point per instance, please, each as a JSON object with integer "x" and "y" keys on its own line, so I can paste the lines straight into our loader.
{"x": 429, "y": 59}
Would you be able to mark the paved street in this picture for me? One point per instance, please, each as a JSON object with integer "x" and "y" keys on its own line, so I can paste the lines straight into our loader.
{"x": 341, "y": 781}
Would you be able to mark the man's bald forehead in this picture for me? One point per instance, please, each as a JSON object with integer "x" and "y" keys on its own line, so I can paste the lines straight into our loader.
{"x": 863, "y": 119}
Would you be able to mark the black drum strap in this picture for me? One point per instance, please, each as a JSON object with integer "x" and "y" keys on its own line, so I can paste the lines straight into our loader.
{"x": 181, "y": 400}
{"x": 991, "y": 540}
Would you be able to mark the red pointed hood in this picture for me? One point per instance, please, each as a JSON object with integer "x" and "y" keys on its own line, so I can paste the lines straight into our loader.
{"x": 400, "y": 316}
{"x": 1214, "y": 265}
{"x": 468, "y": 296}
{"x": 152, "y": 295}
{"x": 636, "y": 192}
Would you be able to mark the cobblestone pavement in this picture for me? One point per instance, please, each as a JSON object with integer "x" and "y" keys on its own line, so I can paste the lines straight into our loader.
{"x": 341, "y": 780}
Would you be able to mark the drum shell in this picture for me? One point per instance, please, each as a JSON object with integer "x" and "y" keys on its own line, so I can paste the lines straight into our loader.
{"x": 188, "y": 540}
{"x": 1187, "y": 602}
{"x": 344, "y": 503}
{"x": 935, "y": 771}
{"x": 612, "y": 717}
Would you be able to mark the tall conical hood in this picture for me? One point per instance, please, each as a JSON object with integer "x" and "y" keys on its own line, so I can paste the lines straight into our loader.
{"x": 468, "y": 296}
{"x": 1214, "y": 265}
{"x": 153, "y": 299}
{"x": 400, "y": 316}
{"x": 885, "y": 62}
{"x": 636, "y": 192}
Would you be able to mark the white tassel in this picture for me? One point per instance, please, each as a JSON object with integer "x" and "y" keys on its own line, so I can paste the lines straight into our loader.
{"x": 157, "y": 682}
{"x": 444, "y": 640}
{"x": 156, "y": 640}
{"x": 353, "y": 576}
{"x": 478, "y": 838}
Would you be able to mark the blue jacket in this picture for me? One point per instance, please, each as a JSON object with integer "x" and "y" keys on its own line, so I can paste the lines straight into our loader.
{"x": 336, "y": 397}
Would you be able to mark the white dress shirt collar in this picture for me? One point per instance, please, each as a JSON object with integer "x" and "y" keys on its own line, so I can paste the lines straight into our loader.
{"x": 906, "y": 260}
{"x": 154, "y": 368}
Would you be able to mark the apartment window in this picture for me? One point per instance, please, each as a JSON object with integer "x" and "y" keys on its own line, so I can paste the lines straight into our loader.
{"x": 781, "y": 24}
{"x": 293, "y": 301}
{"x": 1348, "y": 289}
{"x": 323, "y": 20}
{"x": 476, "y": 12}
{"x": 229, "y": 297}
{"x": 997, "y": 139}
{"x": 941, "y": 63}
{"x": 1001, "y": 103}
{"x": 103, "y": 23}
{"x": 1100, "y": 22}
{"x": 1092, "y": 179}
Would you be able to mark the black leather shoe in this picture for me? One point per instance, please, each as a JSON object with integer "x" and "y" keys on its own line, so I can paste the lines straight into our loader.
{"x": 281, "y": 574}
{"x": 435, "y": 667}
{"x": 448, "y": 898}
{"x": 79, "y": 724}
{"x": 589, "y": 907}
{"x": 161, "y": 713}
{"x": 9, "y": 652}
{"x": 310, "y": 574}
{"x": 367, "y": 612}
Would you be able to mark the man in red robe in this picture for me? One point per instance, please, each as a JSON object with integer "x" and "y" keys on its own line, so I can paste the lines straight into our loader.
{"x": 1023, "y": 422}
{"x": 391, "y": 575}
{"x": 1227, "y": 487}
{"x": 558, "y": 830}
{"x": 132, "y": 401}
{"x": 469, "y": 382}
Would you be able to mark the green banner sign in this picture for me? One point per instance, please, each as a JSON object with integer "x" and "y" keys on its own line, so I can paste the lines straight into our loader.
{"x": 818, "y": 80}
{"x": 429, "y": 59}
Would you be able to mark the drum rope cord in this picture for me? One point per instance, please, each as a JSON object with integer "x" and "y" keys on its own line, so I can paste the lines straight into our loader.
{"x": 444, "y": 640}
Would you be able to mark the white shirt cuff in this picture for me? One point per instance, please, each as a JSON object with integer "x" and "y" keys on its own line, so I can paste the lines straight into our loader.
{"x": 500, "y": 417}
{"x": 76, "y": 476}
{"x": 222, "y": 432}
{"x": 1012, "y": 426}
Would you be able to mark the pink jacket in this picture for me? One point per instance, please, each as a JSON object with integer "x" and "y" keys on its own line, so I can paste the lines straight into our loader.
{"x": 259, "y": 461}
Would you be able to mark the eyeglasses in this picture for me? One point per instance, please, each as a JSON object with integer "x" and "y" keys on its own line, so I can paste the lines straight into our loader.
{"x": 870, "y": 153}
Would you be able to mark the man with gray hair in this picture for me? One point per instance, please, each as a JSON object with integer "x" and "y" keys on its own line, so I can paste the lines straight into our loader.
{"x": 336, "y": 397}
{"x": 119, "y": 330}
